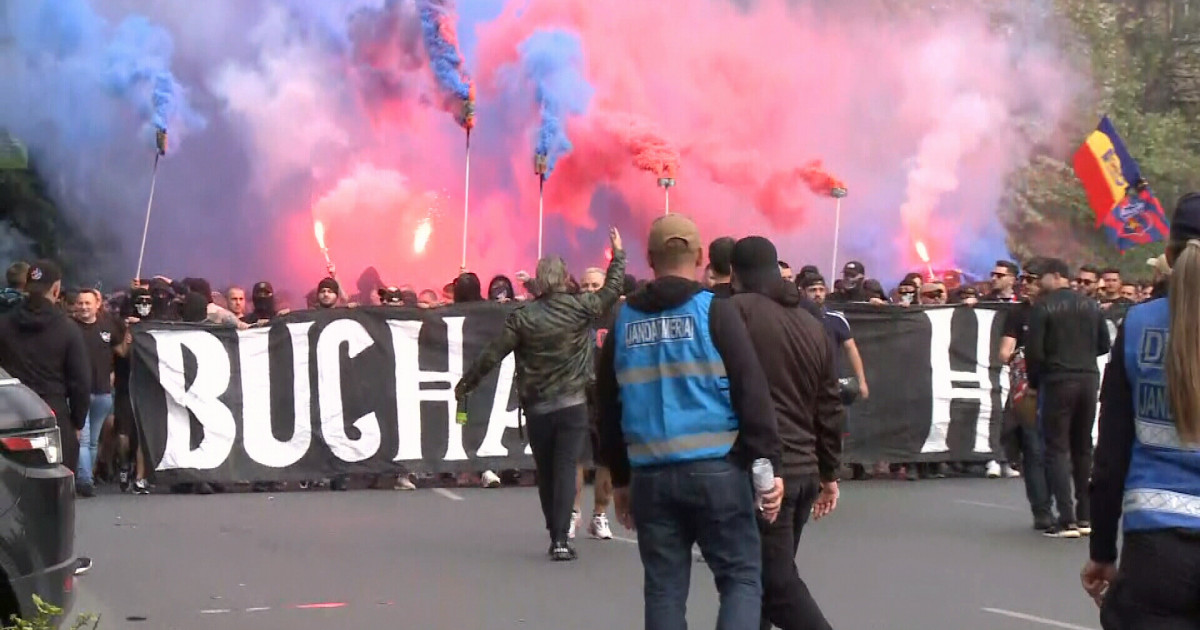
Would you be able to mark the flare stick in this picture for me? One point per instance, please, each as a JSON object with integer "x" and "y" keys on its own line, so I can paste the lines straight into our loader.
{"x": 541, "y": 206}
{"x": 466, "y": 201}
{"x": 837, "y": 194}
{"x": 146, "y": 226}
{"x": 666, "y": 183}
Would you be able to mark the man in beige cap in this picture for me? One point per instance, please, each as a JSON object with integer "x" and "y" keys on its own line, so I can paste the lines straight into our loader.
{"x": 684, "y": 411}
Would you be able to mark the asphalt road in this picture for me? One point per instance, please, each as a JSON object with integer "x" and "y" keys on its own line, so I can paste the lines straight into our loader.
{"x": 934, "y": 555}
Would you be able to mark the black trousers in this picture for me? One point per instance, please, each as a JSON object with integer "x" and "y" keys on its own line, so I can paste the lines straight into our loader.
{"x": 1067, "y": 409}
{"x": 1158, "y": 584}
{"x": 787, "y": 603}
{"x": 557, "y": 439}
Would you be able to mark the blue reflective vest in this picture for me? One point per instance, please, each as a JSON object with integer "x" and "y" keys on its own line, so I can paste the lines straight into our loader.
{"x": 1162, "y": 489}
{"x": 675, "y": 404}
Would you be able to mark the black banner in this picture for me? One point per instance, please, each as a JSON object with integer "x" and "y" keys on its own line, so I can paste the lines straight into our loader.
{"x": 370, "y": 390}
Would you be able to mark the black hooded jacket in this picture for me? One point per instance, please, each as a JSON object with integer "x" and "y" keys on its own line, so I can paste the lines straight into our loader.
{"x": 797, "y": 357}
{"x": 758, "y": 435}
{"x": 43, "y": 348}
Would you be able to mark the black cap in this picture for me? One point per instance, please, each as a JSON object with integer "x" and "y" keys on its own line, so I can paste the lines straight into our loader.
{"x": 811, "y": 280}
{"x": 41, "y": 275}
{"x": 1185, "y": 225}
{"x": 855, "y": 268}
{"x": 262, "y": 288}
{"x": 809, "y": 270}
{"x": 756, "y": 262}
{"x": 1044, "y": 266}
{"x": 328, "y": 283}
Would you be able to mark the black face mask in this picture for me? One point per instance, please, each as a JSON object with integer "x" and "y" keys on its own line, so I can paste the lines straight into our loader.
{"x": 851, "y": 283}
{"x": 264, "y": 304}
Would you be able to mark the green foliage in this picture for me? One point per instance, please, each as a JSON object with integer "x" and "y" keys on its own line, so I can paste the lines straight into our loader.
{"x": 47, "y": 613}
{"x": 1143, "y": 57}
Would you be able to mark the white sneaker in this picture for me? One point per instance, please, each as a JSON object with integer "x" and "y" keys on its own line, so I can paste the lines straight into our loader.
{"x": 599, "y": 527}
{"x": 1009, "y": 472}
{"x": 404, "y": 483}
{"x": 993, "y": 470}
{"x": 574, "y": 522}
{"x": 489, "y": 479}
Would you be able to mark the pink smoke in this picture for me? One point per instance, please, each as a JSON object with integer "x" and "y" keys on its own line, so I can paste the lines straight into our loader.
{"x": 744, "y": 106}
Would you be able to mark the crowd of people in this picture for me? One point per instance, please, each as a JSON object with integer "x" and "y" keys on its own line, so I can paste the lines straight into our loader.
{"x": 680, "y": 384}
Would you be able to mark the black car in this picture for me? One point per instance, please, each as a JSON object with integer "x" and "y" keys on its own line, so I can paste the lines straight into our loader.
{"x": 37, "y": 505}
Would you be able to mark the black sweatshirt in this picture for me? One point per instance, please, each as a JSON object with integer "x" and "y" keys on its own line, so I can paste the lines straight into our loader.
{"x": 758, "y": 434}
{"x": 43, "y": 348}
{"x": 797, "y": 357}
{"x": 1114, "y": 449}
{"x": 1067, "y": 331}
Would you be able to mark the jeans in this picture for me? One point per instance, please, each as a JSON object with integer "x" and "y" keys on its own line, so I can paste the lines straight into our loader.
{"x": 1067, "y": 411}
{"x": 711, "y": 503}
{"x": 557, "y": 439}
{"x": 787, "y": 602}
{"x": 1158, "y": 583}
{"x": 1033, "y": 470}
{"x": 89, "y": 443}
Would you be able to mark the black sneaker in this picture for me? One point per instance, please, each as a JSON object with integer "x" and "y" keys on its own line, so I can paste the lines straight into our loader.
{"x": 86, "y": 490}
{"x": 562, "y": 552}
{"x": 203, "y": 488}
{"x": 1085, "y": 528}
{"x": 340, "y": 484}
{"x": 1062, "y": 531}
{"x": 82, "y": 565}
{"x": 1042, "y": 523}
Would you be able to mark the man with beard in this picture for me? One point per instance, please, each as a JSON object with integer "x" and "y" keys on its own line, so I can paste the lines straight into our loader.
{"x": 552, "y": 338}
{"x": 839, "y": 330}
{"x": 45, "y": 350}
{"x": 1087, "y": 280}
{"x": 1004, "y": 281}
{"x": 1110, "y": 285}
{"x": 798, "y": 360}
{"x": 104, "y": 339}
{"x": 327, "y": 293}
{"x": 720, "y": 252}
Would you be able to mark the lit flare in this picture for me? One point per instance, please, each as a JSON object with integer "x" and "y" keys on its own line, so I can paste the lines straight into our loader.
{"x": 421, "y": 235}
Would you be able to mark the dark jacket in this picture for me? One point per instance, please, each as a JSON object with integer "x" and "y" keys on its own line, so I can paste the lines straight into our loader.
{"x": 552, "y": 337}
{"x": 1067, "y": 331}
{"x": 758, "y": 434}
{"x": 43, "y": 348}
{"x": 10, "y": 300}
{"x": 797, "y": 357}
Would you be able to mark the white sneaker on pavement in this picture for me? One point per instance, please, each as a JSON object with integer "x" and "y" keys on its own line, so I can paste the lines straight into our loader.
{"x": 489, "y": 479}
{"x": 404, "y": 483}
{"x": 574, "y": 522}
{"x": 1008, "y": 472}
{"x": 599, "y": 527}
{"x": 993, "y": 470}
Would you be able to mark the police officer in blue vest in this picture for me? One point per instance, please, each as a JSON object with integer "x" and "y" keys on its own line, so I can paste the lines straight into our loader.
{"x": 1147, "y": 462}
{"x": 684, "y": 410}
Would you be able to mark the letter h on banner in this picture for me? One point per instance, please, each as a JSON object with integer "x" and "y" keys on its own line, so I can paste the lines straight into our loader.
{"x": 974, "y": 385}
{"x": 410, "y": 376}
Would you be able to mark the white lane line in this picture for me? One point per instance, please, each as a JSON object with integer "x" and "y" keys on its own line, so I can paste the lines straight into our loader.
{"x": 1035, "y": 619}
{"x": 215, "y": 611}
{"x": 258, "y": 609}
{"x": 448, "y": 494}
{"x": 989, "y": 505}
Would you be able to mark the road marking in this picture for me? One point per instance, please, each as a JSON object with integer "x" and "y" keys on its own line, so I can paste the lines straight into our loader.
{"x": 989, "y": 505}
{"x": 258, "y": 609}
{"x": 448, "y": 494}
{"x": 320, "y": 605}
{"x": 215, "y": 611}
{"x": 1034, "y": 618}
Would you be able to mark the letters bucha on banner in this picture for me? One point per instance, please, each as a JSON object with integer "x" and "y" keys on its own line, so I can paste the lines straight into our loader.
{"x": 370, "y": 390}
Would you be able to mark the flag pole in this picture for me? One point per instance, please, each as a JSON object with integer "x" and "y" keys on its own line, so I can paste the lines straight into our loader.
{"x": 466, "y": 201}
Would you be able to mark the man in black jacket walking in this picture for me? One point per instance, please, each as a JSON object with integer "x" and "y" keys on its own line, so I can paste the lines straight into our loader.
{"x": 1067, "y": 332}
{"x": 797, "y": 357}
{"x": 44, "y": 349}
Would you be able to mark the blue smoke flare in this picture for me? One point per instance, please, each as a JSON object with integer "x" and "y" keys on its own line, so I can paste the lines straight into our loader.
{"x": 553, "y": 61}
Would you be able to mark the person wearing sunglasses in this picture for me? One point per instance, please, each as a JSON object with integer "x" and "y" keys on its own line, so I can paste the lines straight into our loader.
{"x": 933, "y": 294}
{"x": 1004, "y": 281}
{"x": 1087, "y": 280}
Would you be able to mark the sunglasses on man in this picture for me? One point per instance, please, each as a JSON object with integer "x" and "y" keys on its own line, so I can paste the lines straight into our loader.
{"x": 937, "y": 294}
{"x": 1030, "y": 279}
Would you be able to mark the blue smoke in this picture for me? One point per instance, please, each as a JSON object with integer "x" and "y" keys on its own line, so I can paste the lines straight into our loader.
{"x": 444, "y": 58}
{"x": 79, "y": 61}
{"x": 553, "y": 61}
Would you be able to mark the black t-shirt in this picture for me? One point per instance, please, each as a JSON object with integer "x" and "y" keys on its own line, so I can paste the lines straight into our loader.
{"x": 1016, "y": 325}
{"x": 100, "y": 338}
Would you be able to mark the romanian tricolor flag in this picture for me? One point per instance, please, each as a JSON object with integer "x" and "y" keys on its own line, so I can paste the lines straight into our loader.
{"x": 1124, "y": 205}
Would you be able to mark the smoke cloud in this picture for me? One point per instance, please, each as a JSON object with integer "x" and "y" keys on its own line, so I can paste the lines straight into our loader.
{"x": 291, "y": 111}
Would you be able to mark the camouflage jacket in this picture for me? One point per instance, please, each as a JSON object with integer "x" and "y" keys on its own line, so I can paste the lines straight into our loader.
{"x": 552, "y": 337}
